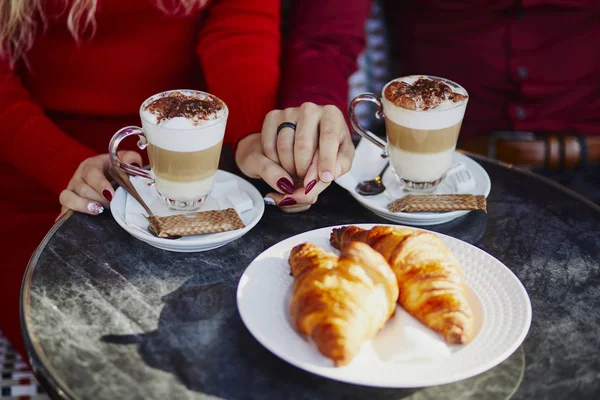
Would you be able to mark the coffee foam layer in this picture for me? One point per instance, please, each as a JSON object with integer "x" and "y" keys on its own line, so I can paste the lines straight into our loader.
{"x": 446, "y": 103}
{"x": 180, "y": 122}
{"x": 191, "y": 106}
{"x": 446, "y": 114}
{"x": 411, "y": 79}
{"x": 437, "y": 118}
{"x": 184, "y": 136}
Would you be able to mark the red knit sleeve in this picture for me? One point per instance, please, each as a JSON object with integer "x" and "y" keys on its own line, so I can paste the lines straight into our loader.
{"x": 30, "y": 141}
{"x": 239, "y": 52}
{"x": 323, "y": 43}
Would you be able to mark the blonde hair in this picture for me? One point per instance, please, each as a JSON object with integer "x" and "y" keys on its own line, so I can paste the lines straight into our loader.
{"x": 19, "y": 20}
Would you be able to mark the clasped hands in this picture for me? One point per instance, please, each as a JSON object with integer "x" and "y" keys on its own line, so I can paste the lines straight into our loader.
{"x": 298, "y": 164}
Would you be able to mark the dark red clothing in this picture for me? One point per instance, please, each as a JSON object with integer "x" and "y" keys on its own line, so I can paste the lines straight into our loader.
{"x": 532, "y": 65}
{"x": 527, "y": 65}
{"x": 71, "y": 98}
{"x": 89, "y": 90}
{"x": 323, "y": 41}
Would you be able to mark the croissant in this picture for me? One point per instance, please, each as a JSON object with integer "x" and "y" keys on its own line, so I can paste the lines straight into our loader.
{"x": 340, "y": 303}
{"x": 429, "y": 276}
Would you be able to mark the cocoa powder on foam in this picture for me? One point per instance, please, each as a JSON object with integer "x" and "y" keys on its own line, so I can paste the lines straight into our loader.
{"x": 179, "y": 105}
{"x": 424, "y": 94}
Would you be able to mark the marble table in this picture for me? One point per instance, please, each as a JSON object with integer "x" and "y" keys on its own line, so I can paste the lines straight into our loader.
{"x": 105, "y": 316}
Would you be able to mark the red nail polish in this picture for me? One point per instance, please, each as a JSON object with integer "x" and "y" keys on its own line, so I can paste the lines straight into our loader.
{"x": 136, "y": 165}
{"x": 287, "y": 202}
{"x": 107, "y": 194}
{"x": 310, "y": 185}
{"x": 285, "y": 185}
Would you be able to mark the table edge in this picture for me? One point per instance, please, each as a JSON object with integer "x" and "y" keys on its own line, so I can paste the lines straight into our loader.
{"x": 35, "y": 354}
{"x": 537, "y": 176}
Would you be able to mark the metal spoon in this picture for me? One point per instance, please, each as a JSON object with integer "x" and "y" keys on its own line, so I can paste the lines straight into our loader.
{"x": 123, "y": 179}
{"x": 374, "y": 186}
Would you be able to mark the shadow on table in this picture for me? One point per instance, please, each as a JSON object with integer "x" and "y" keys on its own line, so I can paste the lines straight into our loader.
{"x": 202, "y": 341}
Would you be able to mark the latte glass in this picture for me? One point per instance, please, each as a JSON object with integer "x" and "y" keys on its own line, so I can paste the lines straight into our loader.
{"x": 184, "y": 155}
{"x": 419, "y": 144}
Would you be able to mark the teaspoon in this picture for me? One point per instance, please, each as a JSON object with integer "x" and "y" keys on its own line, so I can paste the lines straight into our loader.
{"x": 123, "y": 179}
{"x": 374, "y": 186}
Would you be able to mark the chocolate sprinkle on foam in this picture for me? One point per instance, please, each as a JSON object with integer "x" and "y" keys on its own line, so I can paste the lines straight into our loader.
{"x": 179, "y": 105}
{"x": 424, "y": 94}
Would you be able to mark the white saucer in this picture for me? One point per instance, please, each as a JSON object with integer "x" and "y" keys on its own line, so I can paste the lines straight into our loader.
{"x": 368, "y": 164}
{"x": 189, "y": 244}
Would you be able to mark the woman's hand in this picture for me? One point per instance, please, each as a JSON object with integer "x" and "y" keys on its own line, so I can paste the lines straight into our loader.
{"x": 298, "y": 164}
{"x": 89, "y": 190}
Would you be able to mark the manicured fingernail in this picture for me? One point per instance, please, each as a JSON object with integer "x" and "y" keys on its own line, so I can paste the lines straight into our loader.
{"x": 326, "y": 176}
{"x": 287, "y": 202}
{"x": 310, "y": 185}
{"x": 285, "y": 185}
{"x": 95, "y": 208}
{"x": 135, "y": 165}
{"x": 107, "y": 194}
{"x": 269, "y": 201}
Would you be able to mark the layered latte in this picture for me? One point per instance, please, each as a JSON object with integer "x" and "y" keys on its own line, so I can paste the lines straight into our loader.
{"x": 185, "y": 131}
{"x": 423, "y": 119}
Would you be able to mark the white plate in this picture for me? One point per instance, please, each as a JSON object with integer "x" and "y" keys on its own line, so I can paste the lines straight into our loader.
{"x": 501, "y": 307}
{"x": 197, "y": 243}
{"x": 368, "y": 163}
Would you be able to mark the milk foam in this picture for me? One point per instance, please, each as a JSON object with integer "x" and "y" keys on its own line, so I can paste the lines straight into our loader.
{"x": 196, "y": 138}
{"x": 446, "y": 114}
{"x": 180, "y": 133}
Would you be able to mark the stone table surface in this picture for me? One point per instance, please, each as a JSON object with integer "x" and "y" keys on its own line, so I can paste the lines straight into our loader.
{"x": 105, "y": 316}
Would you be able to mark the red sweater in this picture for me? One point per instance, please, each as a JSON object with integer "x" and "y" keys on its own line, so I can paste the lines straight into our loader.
{"x": 65, "y": 105}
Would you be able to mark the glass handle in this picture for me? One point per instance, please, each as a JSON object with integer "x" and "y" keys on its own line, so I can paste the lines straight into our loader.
{"x": 114, "y": 146}
{"x": 367, "y": 134}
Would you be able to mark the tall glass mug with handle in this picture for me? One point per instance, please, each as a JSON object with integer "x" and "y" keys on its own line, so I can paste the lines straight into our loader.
{"x": 183, "y": 132}
{"x": 423, "y": 115}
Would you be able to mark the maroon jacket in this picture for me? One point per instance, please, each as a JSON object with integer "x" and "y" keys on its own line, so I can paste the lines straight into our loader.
{"x": 527, "y": 65}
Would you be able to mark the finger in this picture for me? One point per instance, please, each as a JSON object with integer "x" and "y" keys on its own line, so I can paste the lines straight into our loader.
{"x": 274, "y": 174}
{"x": 306, "y": 139}
{"x": 345, "y": 155}
{"x": 71, "y": 200}
{"x": 310, "y": 196}
{"x": 312, "y": 175}
{"x": 282, "y": 200}
{"x": 245, "y": 155}
{"x": 84, "y": 190}
{"x": 94, "y": 177}
{"x": 279, "y": 198}
{"x": 330, "y": 131}
{"x": 298, "y": 198}
{"x": 130, "y": 157}
{"x": 285, "y": 150}
{"x": 269, "y": 134}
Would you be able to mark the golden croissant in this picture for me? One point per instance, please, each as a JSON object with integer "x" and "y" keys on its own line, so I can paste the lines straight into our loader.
{"x": 341, "y": 302}
{"x": 429, "y": 276}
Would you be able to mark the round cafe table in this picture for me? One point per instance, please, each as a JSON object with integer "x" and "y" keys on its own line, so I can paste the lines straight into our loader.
{"x": 105, "y": 316}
